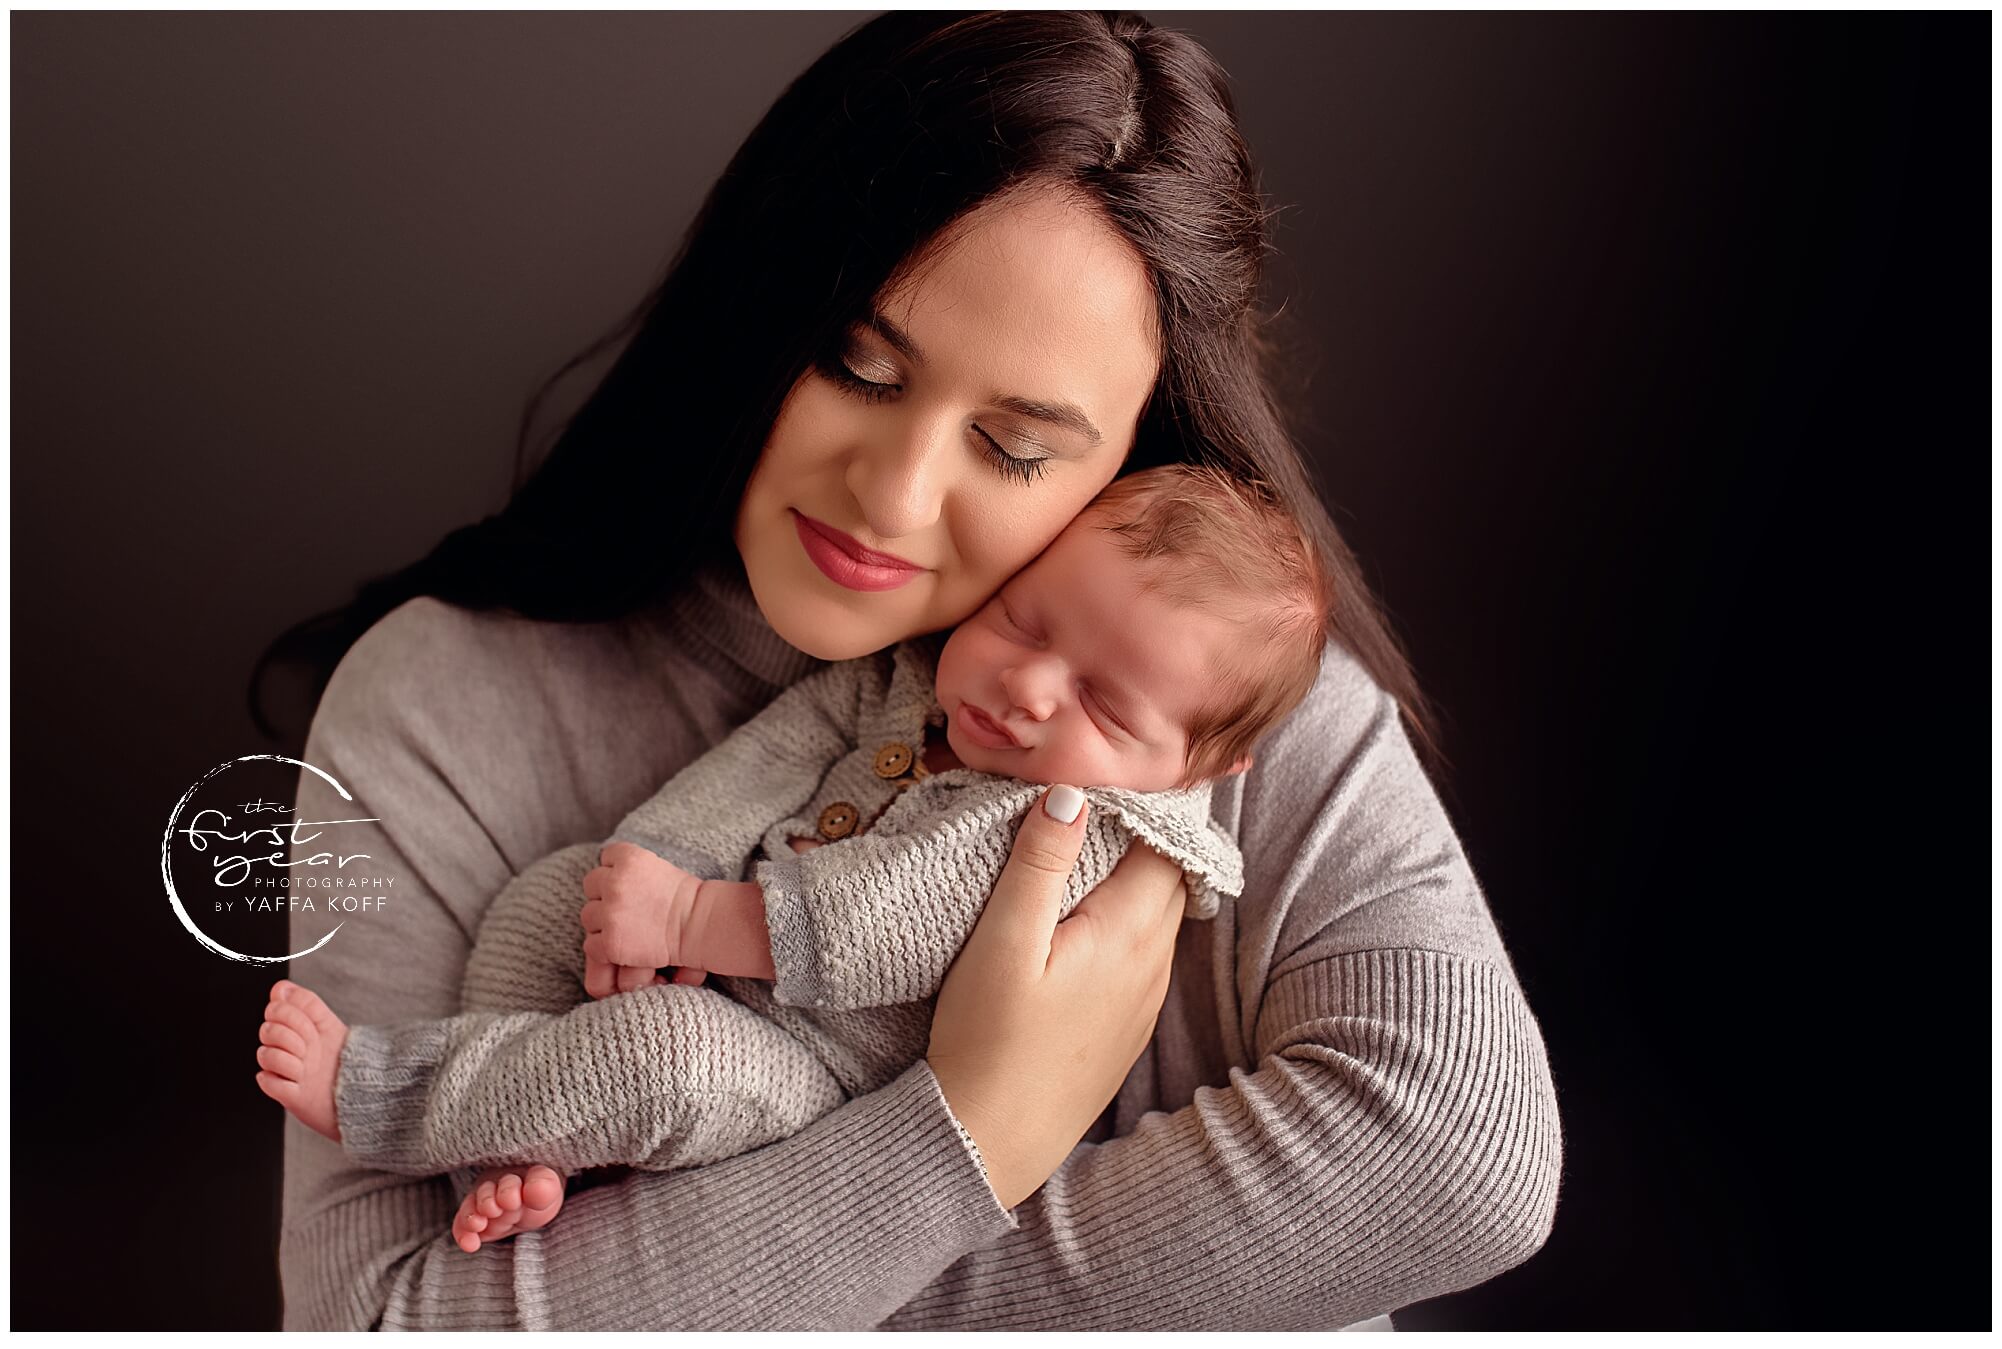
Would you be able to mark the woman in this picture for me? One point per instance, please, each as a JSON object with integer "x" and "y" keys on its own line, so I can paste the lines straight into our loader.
{"x": 966, "y": 270}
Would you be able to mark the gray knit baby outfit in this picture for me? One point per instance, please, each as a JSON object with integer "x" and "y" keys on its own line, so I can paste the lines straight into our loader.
{"x": 863, "y": 931}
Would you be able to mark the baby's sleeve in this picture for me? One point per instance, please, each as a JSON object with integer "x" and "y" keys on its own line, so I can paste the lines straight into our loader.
{"x": 709, "y": 818}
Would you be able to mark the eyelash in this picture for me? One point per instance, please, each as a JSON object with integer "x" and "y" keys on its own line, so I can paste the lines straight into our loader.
{"x": 1014, "y": 623}
{"x": 1010, "y": 465}
{"x": 1105, "y": 712}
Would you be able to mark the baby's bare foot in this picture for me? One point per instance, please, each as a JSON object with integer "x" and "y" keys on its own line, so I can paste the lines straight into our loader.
{"x": 301, "y": 1039}
{"x": 504, "y": 1201}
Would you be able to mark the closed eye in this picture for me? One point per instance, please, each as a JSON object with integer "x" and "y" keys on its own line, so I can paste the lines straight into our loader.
{"x": 1014, "y": 622}
{"x": 1024, "y": 468}
{"x": 1106, "y": 712}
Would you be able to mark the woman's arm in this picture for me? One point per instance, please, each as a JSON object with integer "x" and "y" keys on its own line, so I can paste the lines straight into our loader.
{"x": 835, "y": 1226}
{"x": 1398, "y": 1137}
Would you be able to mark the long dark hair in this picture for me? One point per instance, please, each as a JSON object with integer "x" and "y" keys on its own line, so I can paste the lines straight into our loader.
{"x": 857, "y": 170}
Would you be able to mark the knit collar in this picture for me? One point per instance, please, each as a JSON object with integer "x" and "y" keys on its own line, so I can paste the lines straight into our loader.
{"x": 715, "y": 618}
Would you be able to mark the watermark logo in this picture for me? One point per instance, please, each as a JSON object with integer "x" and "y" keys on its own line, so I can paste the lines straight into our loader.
{"x": 256, "y": 859}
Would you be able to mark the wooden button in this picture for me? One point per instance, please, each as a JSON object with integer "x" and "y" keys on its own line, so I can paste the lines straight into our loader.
{"x": 838, "y": 821}
{"x": 893, "y": 761}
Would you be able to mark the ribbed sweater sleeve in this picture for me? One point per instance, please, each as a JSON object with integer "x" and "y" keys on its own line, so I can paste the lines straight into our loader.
{"x": 1393, "y": 1135}
{"x": 833, "y": 1227}
{"x": 1395, "y": 1145}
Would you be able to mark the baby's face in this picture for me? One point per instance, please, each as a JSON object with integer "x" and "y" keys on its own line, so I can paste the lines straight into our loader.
{"x": 1073, "y": 673}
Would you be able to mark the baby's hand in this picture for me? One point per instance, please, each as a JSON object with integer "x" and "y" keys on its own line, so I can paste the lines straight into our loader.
{"x": 602, "y": 978}
{"x": 636, "y": 914}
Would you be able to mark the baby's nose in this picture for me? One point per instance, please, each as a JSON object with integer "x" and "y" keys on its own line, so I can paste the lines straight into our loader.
{"x": 1031, "y": 693}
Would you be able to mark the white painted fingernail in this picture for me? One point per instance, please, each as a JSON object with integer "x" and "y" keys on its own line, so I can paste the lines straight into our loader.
{"x": 1063, "y": 803}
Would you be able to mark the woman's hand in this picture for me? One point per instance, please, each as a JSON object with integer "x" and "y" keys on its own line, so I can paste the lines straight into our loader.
{"x": 1038, "y": 1022}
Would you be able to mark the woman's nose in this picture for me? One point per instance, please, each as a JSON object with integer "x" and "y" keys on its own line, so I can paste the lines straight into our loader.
{"x": 1033, "y": 688}
{"x": 899, "y": 478}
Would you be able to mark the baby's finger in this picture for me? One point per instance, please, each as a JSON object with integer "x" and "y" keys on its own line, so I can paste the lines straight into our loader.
{"x": 594, "y": 881}
{"x": 600, "y": 979}
{"x": 631, "y": 977}
{"x": 589, "y": 915}
{"x": 689, "y": 974}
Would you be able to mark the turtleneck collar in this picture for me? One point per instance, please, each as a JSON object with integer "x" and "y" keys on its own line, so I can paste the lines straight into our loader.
{"x": 716, "y": 617}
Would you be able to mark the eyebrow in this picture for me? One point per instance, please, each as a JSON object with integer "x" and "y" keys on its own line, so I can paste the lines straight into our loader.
{"x": 1069, "y": 416}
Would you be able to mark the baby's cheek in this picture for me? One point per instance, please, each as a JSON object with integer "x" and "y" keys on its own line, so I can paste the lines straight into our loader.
{"x": 1068, "y": 762}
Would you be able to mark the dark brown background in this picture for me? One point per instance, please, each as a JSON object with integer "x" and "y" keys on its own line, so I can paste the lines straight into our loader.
{"x": 1651, "y": 386}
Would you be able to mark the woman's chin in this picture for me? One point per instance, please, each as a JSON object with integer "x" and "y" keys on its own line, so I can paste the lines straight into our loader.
{"x": 832, "y": 637}
{"x": 808, "y": 622}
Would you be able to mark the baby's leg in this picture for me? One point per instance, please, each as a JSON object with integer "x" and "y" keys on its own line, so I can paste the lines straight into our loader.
{"x": 660, "y": 1078}
{"x": 302, "y": 1041}
{"x": 528, "y": 954}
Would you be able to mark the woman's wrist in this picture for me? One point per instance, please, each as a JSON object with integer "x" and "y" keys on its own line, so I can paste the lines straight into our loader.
{"x": 990, "y": 1138}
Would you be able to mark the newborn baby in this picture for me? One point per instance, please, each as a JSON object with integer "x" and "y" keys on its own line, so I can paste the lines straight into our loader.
{"x": 1178, "y": 619}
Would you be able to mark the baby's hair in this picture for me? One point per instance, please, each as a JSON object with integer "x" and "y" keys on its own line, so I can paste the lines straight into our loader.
{"x": 1231, "y": 548}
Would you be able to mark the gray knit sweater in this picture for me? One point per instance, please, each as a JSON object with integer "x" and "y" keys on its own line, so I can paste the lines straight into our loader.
{"x": 877, "y": 918}
{"x": 863, "y": 932}
{"x": 1346, "y": 1106}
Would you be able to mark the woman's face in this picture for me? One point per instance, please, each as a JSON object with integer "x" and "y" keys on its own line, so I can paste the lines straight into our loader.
{"x": 961, "y": 429}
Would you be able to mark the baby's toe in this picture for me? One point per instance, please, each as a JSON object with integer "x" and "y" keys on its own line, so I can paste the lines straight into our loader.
{"x": 283, "y": 1036}
{"x": 309, "y": 1002}
{"x": 279, "y": 1061}
{"x": 541, "y": 1188}
{"x": 293, "y": 1019}
{"x": 507, "y": 1192}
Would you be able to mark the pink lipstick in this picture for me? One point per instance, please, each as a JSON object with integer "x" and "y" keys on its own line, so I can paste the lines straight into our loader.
{"x": 846, "y": 562}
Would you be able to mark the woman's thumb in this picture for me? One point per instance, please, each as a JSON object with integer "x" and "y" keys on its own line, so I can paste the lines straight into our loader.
{"x": 1030, "y": 893}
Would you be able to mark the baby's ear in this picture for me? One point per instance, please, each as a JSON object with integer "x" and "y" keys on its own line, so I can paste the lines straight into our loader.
{"x": 1243, "y": 762}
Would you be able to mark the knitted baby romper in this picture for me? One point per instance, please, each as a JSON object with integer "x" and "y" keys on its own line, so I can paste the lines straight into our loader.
{"x": 863, "y": 931}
